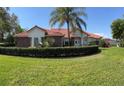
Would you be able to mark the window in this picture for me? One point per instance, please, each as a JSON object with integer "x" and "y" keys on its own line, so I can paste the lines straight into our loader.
{"x": 66, "y": 42}
{"x": 76, "y": 41}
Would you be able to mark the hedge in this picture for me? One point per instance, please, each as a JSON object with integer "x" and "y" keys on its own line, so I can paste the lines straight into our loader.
{"x": 50, "y": 52}
{"x": 6, "y": 45}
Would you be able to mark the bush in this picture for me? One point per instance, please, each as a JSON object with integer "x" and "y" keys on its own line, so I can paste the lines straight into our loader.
{"x": 92, "y": 43}
{"x": 122, "y": 43}
{"x": 48, "y": 42}
{"x": 9, "y": 39}
{"x": 6, "y": 44}
{"x": 103, "y": 43}
{"x": 50, "y": 52}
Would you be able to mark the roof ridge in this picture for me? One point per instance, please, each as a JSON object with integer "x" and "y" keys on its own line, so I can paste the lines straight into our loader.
{"x": 58, "y": 29}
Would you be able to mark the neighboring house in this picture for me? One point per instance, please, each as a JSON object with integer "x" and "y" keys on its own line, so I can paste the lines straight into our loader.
{"x": 93, "y": 38}
{"x": 36, "y": 35}
{"x": 111, "y": 42}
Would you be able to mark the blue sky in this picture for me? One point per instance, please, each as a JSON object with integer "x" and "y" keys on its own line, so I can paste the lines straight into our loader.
{"x": 99, "y": 19}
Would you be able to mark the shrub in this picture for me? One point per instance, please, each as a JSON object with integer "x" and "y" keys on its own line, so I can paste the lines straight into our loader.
{"x": 121, "y": 43}
{"x": 48, "y": 42}
{"x": 6, "y": 44}
{"x": 103, "y": 43}
{"x": 10, "y": 39}
{"x": 92, "y": 43}
{"x": 45, "y": 44}
{"x": 50, "y": 52}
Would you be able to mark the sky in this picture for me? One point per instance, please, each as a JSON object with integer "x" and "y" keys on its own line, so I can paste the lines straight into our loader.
{"x": 98, "y": 19}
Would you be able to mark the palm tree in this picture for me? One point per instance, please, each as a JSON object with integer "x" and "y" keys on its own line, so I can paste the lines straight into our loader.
{"x": 69, "y": 15}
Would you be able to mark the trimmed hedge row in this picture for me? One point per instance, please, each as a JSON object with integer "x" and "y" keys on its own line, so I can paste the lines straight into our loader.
{"x": 49, "y": 52}
{"x": 6, "y": 45}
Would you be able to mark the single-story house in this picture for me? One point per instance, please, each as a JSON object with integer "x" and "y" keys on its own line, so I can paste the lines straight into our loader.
{"x": 35, "y": 36}
{"x": 93, "y": 38}
{"x": 111, "y": 42}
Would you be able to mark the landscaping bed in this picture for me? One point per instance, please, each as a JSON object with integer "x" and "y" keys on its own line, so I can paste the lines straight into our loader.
{"x": 50, "y": 52}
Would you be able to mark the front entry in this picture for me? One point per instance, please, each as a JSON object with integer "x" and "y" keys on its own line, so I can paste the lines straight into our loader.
{"x": 77, "y": 42}
{"x": 36, "y": 42}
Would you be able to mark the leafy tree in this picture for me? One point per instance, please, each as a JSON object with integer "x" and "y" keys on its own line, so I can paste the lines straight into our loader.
{"x": 70, "y": 16}
{"x": 118, "y": 30}
{"x": 4, "y": 21}
{"x": 19, "y": 29}
{"x": 10, "y": 39}
{"x": 8, "y": 22}
{"x": 48, "y": 42}
{"x": 103, "y": 43}
{"x": 15, "y": 24}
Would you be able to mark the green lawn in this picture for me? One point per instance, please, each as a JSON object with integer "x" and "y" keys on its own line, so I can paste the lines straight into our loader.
{"x": 105, "y": 68}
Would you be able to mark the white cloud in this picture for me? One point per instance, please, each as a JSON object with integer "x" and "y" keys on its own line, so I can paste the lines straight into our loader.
{"x": 102, "y": 34}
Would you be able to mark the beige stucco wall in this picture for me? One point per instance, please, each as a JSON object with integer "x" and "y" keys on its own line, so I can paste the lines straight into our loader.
{"x": 36, "y": 32}
{"x": 82, "y": 36}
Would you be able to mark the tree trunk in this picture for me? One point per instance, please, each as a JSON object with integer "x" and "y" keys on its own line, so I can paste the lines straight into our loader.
{"x": 69, "y": 33}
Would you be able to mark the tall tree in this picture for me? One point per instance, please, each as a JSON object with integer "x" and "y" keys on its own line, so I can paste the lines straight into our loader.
{"x": 8, "y": 22}
{"x": 4, "y": 20}
{"x": 15, "y": 27}
{"x": 118, "y": 30}
{"x": 71, "y": 16}
{"x": 19, "y": 29}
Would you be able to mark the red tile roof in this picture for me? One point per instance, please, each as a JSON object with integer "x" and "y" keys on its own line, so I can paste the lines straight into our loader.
{"x": 91, "y": 35}
{"x": 109, "y": 40}
{"x": 25, "y": 33}
{"x": 62, "y": 31}
{"x": 54, "y": 33}
{"x": 65, "y": 33}
{"x": 57, "y": 32}
{"x": 22, "y": 34}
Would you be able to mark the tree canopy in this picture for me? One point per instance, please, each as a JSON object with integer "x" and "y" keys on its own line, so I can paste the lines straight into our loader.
{"x": 8, "y": 22}
{"x": 118, "y": 29}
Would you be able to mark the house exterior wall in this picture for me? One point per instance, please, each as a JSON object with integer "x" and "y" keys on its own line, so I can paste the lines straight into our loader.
{"x": 82, "y": 40}
{"x": 58, "y": 41}
{"x": 36, "y": 33}
{"x": 23, "y": 41}
{"x": 76, "y": 41}
{"x": 93, "y": 40}
{"x": 77, "y": 34}
{"x": 83, "y": 37}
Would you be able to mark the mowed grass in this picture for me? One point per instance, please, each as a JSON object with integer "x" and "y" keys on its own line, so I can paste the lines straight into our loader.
{"x": 105, "y": 68}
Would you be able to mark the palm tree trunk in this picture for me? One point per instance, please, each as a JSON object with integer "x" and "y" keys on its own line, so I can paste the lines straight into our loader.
{"x": 69, "y": 33}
